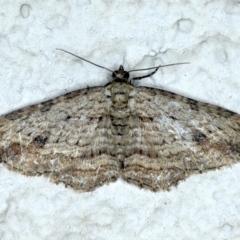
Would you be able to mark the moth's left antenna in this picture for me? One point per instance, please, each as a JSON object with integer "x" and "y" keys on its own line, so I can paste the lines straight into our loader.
{"x": 84, "y": 59}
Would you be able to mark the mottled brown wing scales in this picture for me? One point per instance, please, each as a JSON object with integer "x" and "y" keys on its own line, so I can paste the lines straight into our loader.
{"x": 180, "y": 137}
{"x": 149, "y": 137}
{"x": 66, "y": 139}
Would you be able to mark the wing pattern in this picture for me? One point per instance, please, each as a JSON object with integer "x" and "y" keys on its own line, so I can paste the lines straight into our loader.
{"x": 149, "y": 137}
{"x": 65, "y": 139}
{"x": 178, "y": 137}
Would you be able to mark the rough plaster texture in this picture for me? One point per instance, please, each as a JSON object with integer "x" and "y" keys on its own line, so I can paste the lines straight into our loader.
{"x": 135, "y": 34}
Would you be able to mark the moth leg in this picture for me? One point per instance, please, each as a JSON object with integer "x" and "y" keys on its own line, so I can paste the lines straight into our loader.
{"x": 145, "y": 76}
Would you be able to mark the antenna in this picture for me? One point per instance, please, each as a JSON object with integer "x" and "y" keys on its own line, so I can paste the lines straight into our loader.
{"x": 84, "y": 59}
{"x": 160, "y": 66}
{"x": 136, "y": 78}
{"x": 156, "y": 68}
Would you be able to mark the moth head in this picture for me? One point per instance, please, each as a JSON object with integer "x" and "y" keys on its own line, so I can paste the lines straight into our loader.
{"x": 120, "y": 74}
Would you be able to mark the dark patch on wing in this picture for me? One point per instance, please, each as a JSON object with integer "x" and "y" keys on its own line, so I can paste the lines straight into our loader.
{"x": 41, "y": 139}
{"x": 199, "y": 137}
{"x": 193, "y": 104}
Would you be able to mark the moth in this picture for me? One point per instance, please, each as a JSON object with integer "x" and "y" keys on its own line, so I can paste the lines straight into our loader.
{"x": 148, "y": 137}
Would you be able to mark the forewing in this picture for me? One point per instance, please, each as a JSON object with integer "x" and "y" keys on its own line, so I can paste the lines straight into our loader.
{"x": 178, "y": 137}
{"x": 65, "y": 139}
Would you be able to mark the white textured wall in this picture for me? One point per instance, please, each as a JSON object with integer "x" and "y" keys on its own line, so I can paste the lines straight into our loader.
{"x": 135, "y": 34}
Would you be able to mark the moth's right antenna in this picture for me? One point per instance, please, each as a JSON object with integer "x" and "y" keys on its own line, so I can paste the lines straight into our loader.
{"x": 84, "y": 59}
{"x": 156, "y": 68}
